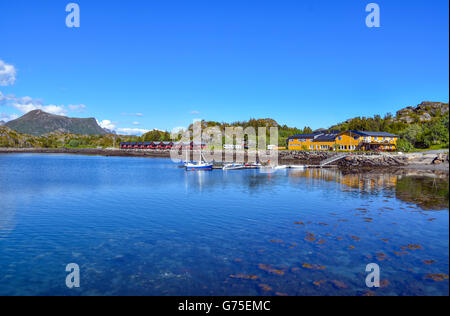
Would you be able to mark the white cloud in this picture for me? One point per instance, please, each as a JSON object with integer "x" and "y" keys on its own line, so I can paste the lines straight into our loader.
{"x": 7, "y": 74}
{"x": 8, "y": 117}
{"x": 107, "y": 124}
{"x": 53, "y": 109}
{"x": 195, "y": 112}
{"x": 27, "y": 104}
{"x": 132, "y": 131}
{"x": 77, "y": 108}
{"x": 136, "y": 123}
{"x": 132, "y": 114}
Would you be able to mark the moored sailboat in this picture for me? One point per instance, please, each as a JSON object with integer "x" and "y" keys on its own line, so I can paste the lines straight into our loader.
{"x": 198, "y": 166}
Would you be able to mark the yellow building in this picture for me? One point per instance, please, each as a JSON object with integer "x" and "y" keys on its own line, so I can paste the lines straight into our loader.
{"x": 344, "y": 141}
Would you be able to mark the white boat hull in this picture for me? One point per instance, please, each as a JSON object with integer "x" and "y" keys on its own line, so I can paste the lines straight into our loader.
{"x": 198, "y": 167}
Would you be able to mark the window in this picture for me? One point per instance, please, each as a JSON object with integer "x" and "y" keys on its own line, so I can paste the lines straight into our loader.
{"x": 311, "y": 147}
{"x": 340, "y": 138}
{"x": 356, "y": 137}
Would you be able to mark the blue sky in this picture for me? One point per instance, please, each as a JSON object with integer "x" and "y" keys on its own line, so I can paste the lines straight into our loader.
{"x": 161, "y": 64}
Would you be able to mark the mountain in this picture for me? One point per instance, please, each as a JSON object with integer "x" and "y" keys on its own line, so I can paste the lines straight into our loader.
{"x": 2, "y": 123}
{"x": 424, "y": 112}
{"x": 423, "y": 126}
{"x": 38, "y": 123}
{"x": 12, "y": 139}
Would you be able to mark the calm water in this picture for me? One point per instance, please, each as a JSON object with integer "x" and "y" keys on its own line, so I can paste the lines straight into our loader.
{"x": 145, "y": 227}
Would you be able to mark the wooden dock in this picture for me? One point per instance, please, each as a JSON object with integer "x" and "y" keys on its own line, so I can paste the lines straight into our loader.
{"x": 320, "y": 167}
{"x": 219, "y": 166}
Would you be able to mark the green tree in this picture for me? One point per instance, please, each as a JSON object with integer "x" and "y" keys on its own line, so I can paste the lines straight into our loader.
{"x": 412, "y": 134}
{"x": 404, "y": 145}
{"x": 438, "y": 131}
{"x": 307, "y": 130}
{"x": 74, "y": 143}
{"x": 154, "y": 136}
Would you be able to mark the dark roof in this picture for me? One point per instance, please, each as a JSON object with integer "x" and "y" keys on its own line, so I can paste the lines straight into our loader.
{"x": 374, "y": 134}
{"x": 331, "y": 137}
{"x": 321, "y": 136}
{"x": 334, "y": 131}
{"x": 306, "y": 135}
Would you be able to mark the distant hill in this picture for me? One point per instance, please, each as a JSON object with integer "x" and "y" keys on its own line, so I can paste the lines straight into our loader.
{"x": 13, "y": 139}
{"x": 2, "y": 123}
{"x": 424, "y": 112}
{"x": 38, "y": 123}
{"x": 423, "y": 126}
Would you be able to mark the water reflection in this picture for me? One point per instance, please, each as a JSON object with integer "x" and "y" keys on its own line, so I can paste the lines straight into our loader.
{"x": 430, "y": 193}
{"x": 146, "y": 227}
{"x": 427, "y": 190}
{"x": 365, "y": 182}
{"x": 7, "y": 215}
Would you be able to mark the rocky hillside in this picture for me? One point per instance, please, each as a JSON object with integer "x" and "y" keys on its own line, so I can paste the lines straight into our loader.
{"x": 38, "y": 123}
{"x": 2, "y": 123}
{"x": 10, "y": 138}
{"x": 424, "y": 112}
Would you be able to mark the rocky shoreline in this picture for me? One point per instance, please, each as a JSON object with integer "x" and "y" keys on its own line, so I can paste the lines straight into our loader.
{"x": 424, "y": 161}
{"x": 432, "y": 160}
